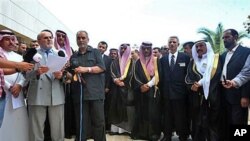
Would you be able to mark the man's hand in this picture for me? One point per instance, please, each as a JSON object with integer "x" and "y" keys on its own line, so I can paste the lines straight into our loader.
{"x": 244, "y": 102}
{"x": 144, "y": 88}
{"x": 15, "y": 90}
{"x": 42, "y": 69}
{"x": 106, "y": 90}
{"x": 229, "y": 84}
{"x": 24, "y": 66}
{"x": 58, "y": 74}
{"x": 81, "y": 69}
{"x": 195, "y": 86}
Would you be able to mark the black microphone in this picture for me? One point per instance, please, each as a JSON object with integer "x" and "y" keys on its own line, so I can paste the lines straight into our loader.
{"x": 74, "y": 64}
{"x": 28, "y": 56}
{"x": 61, "y": 53}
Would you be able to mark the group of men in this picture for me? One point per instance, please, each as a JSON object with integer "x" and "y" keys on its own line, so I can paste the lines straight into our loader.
{"x": 199, "y": 93}
{"x": 132, "y": 91}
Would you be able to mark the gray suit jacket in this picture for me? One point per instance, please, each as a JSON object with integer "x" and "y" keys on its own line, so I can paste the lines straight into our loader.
{"x": 44, "y": 90}
{"x": 244, "y": 75}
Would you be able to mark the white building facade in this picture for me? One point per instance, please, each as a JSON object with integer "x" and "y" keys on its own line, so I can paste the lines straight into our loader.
{"x": 28, "y": 17}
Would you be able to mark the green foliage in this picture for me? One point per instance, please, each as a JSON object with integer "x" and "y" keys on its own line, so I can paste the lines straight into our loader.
{"x": 215, "y": 37}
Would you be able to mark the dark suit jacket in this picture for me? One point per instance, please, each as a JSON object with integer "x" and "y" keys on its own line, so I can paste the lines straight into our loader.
{"x": 234, "y": 67}
{"x": 107, "y": 61}
{"x": 173, "y": 82}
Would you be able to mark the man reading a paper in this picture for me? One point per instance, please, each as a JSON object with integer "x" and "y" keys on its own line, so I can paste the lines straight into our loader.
{"x": 45, "y": 93}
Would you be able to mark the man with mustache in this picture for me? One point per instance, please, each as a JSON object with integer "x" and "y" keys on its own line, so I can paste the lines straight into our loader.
{"x": 203, "y": 79}
{"x": 234, "y": 101}
{"x": 146, "y": 75}
{"x": 174, "y": 91}
{"x": 89, "y": 66}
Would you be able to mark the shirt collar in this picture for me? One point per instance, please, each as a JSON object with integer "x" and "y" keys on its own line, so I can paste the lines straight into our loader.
{"x": 44, "y": 50}
{"x": 175, "y": 54}
{"x": 233, "y": 50}
{"x": 89, "y": 48}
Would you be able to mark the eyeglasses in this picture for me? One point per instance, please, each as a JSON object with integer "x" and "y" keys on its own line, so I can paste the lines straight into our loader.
{"x": 165, "y": 48}
{"x": 123, "y": 47}
{"x": 61, "y": 35}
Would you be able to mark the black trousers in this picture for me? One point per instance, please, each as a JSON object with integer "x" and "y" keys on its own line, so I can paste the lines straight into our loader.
{"x": 175, "y": 117}
{"x": 232, "y": 115}
{"x": 93, "y": 120}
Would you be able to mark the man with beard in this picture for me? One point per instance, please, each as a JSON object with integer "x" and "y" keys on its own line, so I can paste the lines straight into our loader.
{"x": 13, "y": 67}
{"x": 242, "y": 78}
{"x": 121, "y": 113}
{"x": 188, "y": 48}
{"x": 147, "y": 104}
{"x": 45, "y": 93}
{"x": 113, "y": 53}
{"x": 203, "y": 79}
{"x": 61, "y": 43}
{"x": 235, "y": 101}
{"x": 14, "y": 110}
{"x": 88, "y": 92}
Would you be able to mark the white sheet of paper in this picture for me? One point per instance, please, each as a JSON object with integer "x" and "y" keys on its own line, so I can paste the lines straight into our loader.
{"x": 56, "y": 63}
{"x": 18, "y": 102}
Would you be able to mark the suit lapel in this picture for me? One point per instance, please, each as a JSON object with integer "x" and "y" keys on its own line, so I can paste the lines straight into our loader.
{"x": 167, "y": 60}
{"x": 236, "y": 55}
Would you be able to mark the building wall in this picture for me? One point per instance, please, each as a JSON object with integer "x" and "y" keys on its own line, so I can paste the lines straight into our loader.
{"x": 28, "y": 17}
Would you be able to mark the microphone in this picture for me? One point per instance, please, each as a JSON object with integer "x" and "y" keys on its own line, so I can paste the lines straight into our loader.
{"x": 74, "y": 64}
{"x": 32, "y": 56}
{"x": 37, "y": 57}
{"x": 61, "y": 53}
{"x": 28, "y": 56}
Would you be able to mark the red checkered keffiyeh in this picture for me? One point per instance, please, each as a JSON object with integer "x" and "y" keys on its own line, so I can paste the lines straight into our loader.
{"x": 1, "y": 82}
{"x": 1, "y": 73}
{"x": 3, "y": 34}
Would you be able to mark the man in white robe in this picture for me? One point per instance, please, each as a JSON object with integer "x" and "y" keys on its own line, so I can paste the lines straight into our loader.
{"x": 15, "y": 121}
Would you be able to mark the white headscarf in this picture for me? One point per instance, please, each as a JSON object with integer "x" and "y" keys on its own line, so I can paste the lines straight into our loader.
{"x": 209, "y": 61}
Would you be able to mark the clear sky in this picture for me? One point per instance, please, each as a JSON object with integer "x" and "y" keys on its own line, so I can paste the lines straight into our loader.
{"x": 134, "y": 21}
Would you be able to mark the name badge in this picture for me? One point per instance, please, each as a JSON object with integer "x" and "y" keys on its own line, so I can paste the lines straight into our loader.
{"x": 204, "y": 65}
{"x": 182, "y": 64}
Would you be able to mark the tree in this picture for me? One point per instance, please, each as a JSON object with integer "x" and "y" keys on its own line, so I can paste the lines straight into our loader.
{"x": 215, "y": 37}
{"x": 247, "y": 25}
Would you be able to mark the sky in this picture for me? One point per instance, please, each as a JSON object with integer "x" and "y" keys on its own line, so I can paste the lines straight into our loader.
{"x": 135, "y": 21}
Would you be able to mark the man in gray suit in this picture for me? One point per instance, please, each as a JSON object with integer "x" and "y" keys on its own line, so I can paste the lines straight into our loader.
{"x": 242, "y": 78}
{"x": 45, "y": 93}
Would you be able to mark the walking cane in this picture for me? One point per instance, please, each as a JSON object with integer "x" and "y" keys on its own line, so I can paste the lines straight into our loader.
{"x": 78, "y": 77}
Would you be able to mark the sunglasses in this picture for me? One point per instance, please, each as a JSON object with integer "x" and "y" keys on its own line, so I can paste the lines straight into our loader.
{"x": 123, "y": 47}
{"x": 61, "y": 35}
